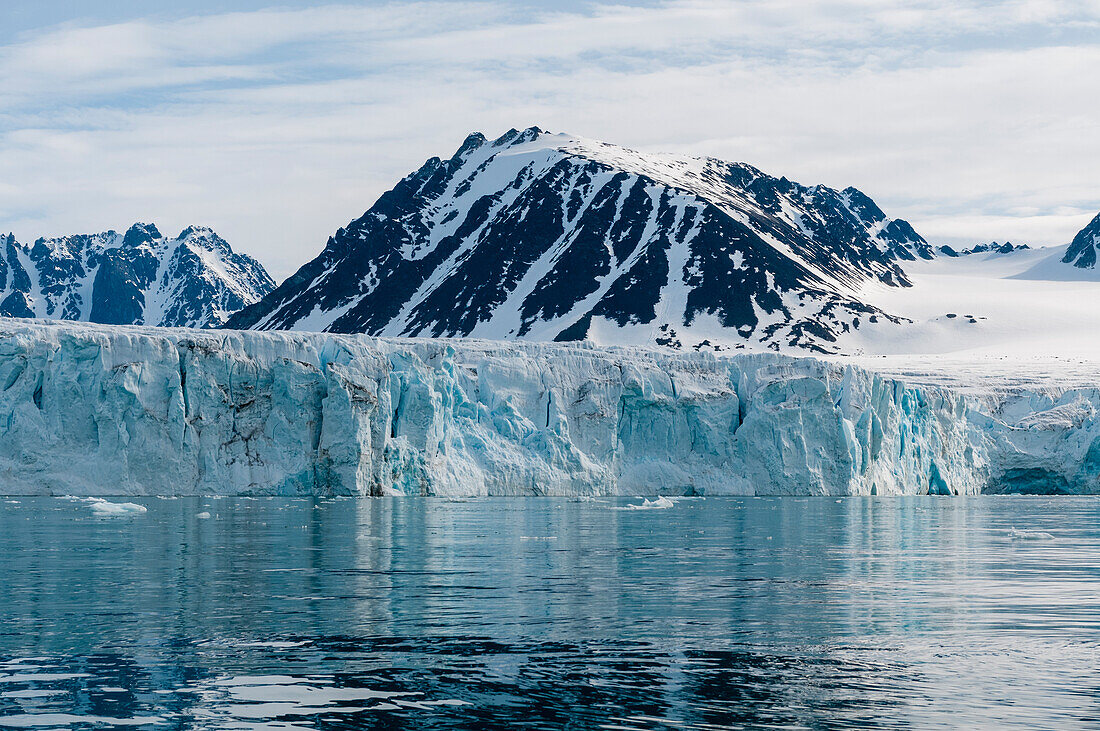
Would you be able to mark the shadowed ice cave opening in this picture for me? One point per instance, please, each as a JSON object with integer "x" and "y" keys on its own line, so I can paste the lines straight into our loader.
{"x": 1032, "y": 481}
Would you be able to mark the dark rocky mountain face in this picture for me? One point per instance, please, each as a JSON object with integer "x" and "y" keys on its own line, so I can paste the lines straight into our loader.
{"x": 551, "y": 237}
{"x": 140, "y": 277}
{"x": 1082, "y": 251}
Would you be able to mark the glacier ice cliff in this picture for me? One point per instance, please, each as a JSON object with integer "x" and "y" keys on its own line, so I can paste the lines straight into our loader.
{"x": 107, "y": 410}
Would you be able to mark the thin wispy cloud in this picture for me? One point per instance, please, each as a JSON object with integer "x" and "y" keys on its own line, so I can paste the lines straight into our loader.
{"x": 277, "y": 126}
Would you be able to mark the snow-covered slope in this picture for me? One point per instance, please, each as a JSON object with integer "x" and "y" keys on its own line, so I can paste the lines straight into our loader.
{"x": 550, "y": 237}
{"x": 139, "y": 277}
{"x": 1023, "y": 306}
{"x": 92, "y": 409}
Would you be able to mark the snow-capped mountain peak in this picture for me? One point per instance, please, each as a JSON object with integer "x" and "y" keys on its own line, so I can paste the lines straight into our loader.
{"x": 739, "y": 189}
{"x": 1082, "y": 252}
{"x": 137, "y": 277}
{"x": 552, "y": 236}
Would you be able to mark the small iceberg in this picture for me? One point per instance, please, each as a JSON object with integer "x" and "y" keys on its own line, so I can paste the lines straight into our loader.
{"x": 661, "y": 503}
{"x": 106, "y": 508}
{"x": 203, "y": 515}
{"x": 1019, "y": 534}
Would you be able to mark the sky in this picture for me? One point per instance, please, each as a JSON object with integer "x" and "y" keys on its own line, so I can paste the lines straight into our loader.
{"x": 277, "y": 123}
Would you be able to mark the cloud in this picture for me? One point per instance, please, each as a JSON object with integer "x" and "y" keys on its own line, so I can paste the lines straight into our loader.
{"x": 277, "y": 126}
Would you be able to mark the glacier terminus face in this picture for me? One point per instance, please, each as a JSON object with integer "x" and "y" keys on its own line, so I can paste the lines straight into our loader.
{"x": 94, "y": 410}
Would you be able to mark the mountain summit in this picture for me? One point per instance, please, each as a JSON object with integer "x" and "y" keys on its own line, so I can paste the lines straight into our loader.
{"x": 1082, "y": 251}
{"x": 554, "y": 237}
{"x": 137, "y": 278}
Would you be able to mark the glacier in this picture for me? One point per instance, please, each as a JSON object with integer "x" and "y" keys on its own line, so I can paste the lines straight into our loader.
{"x": 92, "y": 410}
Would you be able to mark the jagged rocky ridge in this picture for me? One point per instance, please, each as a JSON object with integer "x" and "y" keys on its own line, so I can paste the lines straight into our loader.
{"x": 1006, "y": 248}
{"x": 1082, "y": 250}
{"x": 139, "y": 277}
{"x": 88, "y": 409}
{"x": 550, "y": 237}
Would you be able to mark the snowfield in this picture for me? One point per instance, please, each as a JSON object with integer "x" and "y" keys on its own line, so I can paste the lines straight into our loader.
{"x": 1020, "y": 306}
{"x": 110, "y": 410}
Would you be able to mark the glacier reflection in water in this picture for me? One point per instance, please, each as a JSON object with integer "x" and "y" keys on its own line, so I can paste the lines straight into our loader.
{"x": 426, "y": 613}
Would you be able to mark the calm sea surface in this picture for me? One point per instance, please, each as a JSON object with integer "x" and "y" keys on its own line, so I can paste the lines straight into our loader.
{"x": 549, "y": 614}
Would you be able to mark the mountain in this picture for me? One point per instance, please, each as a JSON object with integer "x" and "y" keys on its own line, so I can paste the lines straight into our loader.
{"x": 1006, "y": 248}
{"x": 140, "y": 277}
{"x": 552, "y": 237}
{"x": 1082, "y": 251}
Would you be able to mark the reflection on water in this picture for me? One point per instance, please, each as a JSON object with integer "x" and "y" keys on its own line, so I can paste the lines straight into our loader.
{"x": 423, "y": 613}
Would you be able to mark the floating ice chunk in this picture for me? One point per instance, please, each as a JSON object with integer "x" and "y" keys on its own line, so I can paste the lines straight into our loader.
{"x": 661, "y": 503}
{"x": 203, "y": 515}
{"x": 103, "y": 507}
{"x": 1020, "y": 534}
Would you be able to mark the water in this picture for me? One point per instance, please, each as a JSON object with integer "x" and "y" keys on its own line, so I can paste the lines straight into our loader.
{"x": 541, "y": 613}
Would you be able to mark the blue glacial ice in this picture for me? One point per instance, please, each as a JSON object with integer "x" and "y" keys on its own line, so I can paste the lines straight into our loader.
{"x": 101, "y": 410}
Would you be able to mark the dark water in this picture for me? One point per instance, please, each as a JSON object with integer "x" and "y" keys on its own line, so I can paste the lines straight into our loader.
{"x": 540, "y": 613}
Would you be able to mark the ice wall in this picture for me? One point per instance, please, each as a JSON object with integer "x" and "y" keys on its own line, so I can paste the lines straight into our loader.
{"x": 120, "y": 410}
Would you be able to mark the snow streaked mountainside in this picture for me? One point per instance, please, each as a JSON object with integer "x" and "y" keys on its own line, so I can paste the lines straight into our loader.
{"x": 139, "y": 277}
{"x": 552, "y": 237}
{"x": 1082, "y": 252}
